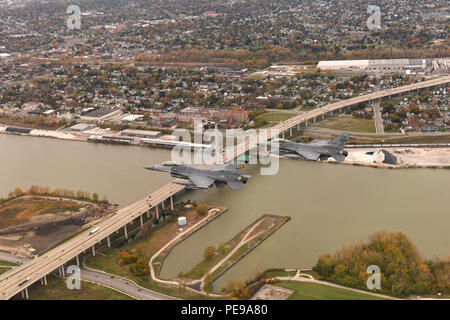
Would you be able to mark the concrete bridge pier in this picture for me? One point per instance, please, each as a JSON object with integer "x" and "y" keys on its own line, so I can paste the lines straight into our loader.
{"x": 282, "y": 135}
{"x": 323, "y": 116}
{"x": 171, "y": 202}
{"x": 108, "y": 241}
{"x": 157, "y": 212}
{"x": 45, "y": 280}
{"x": 93, "y": 250}
{"x": 78, "y": 261}
{"x": 25, "y": 293}
{"x": 63, "y": 271}
{"x": 162, "y": 204}
{"x": 290, "y": 131}
{"x": 148, "y": 213}
{"x": 314, "y": 120}
{"x": 140, "y": 219}
{"x": 125, "y": 231}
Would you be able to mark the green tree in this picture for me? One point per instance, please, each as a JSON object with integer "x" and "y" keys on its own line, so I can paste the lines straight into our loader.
{"x": 209, "y": 252}
{"x": 202, "y": 209}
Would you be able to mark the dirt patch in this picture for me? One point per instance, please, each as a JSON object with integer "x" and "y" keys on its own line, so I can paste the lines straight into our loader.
{"x": 270, "y": 292}
{"x": 415, "y": 157}
{"x": 30, "y": 225}
{"x": 18, "y": 211}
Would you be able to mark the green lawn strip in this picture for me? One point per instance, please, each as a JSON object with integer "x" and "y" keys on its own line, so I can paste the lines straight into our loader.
{"x": 107, "y": 261}
{"x": 6, "y": 263}
{"x": 348, "y": 123}
{"x": 205, "y": 265}
{"x": 315, "y": 291}
{"x": 403, "y": 140}
{"x": 276, "y": 116}
{"x": 5, "y": 266}
{"x": 57, "y": 290}
{"x": 269, "y": 274}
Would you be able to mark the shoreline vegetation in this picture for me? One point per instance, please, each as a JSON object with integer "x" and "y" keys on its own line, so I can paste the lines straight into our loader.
{"x": 45, "y": 191}
{"x": 130, "y": 259}
{"x": 403, "y": 272}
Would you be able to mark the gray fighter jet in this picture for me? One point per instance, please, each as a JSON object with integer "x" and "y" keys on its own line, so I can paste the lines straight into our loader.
{"x": 199, "y": 178}
{"x": 316, "y": 150}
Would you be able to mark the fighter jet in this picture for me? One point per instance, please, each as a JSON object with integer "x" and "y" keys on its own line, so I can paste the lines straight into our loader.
{"x": 199, "y": 178}
{"x": 316, "y": 150}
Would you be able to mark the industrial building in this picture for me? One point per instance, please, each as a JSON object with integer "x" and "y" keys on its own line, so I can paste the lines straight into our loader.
{"x": 408, "y": 66}
{"x": 100, "y": 114}
{"x": 141, "y": 133}
{"x": 80, "y": 127}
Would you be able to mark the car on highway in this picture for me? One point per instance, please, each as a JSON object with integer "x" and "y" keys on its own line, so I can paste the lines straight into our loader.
{"x": 24, "y": 281}
{"x": 93, "y": 231}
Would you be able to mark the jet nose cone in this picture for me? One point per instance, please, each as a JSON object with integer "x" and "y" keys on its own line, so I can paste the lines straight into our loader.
{"x": 149, "y": 167}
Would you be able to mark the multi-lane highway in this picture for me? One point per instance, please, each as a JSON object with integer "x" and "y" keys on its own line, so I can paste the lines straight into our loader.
{"x": 17, "y": 279}
{"x": 20, "y": 278}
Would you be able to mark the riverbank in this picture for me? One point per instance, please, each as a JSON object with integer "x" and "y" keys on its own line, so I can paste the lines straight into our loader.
{"x": 218, "y": 261}
{"x": 154, "y": 240}
{"x": 31, "y": 224}
{"x": 406, "y": 157}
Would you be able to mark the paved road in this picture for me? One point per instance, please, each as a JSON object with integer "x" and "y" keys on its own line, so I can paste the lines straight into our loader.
{"x": 12, "y": 259}
{"x": 121, "y": 284}
{"x": 102, "y": 278}
{"x": 21, "y": 277}
{"x": 300, "y": 277}
{"x": 378, "y": 119}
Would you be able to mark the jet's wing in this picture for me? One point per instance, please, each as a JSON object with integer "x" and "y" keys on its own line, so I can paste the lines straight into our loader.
{"x": 201, "y": 181}
{"x": 308, "y": 154}
{"x": 318, "y": 142}
{"x": 235, "y": 185}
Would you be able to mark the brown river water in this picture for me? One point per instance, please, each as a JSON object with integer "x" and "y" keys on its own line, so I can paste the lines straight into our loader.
{"x": 330, "y": 205}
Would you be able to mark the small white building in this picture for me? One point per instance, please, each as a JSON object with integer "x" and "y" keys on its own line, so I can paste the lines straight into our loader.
{"x": 182, "y": 221}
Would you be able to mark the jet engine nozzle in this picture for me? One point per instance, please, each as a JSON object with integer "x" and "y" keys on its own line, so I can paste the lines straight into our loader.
{"x": 243, "y": 179}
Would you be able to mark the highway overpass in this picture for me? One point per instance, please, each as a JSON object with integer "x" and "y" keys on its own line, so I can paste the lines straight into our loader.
{"x": 20, "y": 278}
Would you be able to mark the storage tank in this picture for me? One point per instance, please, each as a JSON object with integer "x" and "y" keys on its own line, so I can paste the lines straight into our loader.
{"x": 182, "y": 221}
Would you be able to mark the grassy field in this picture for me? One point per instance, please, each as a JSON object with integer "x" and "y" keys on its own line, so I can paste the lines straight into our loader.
{"x": 406, "y": 139}
{"x": 276, "y": 116}
{"x": 314, "y": 291}
{"x": 57, "y": 290}
{"x": 18, "y": 211}
{"x": 107, "y": 259}
{"x": 5, "y": 263}
{"x": 278, "y": 273}
{"x": 268, "y": 224}
{"x": 348, "y": 123}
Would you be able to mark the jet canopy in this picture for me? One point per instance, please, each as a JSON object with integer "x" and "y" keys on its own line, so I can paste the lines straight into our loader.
{"x": 168, "y": 164}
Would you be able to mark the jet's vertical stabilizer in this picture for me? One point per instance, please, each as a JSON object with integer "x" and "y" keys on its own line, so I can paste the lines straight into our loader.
{"x": 341, "y": 140}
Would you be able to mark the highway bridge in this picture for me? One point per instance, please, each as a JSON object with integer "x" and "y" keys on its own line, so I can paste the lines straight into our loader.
{"x": 17, "y": 280}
